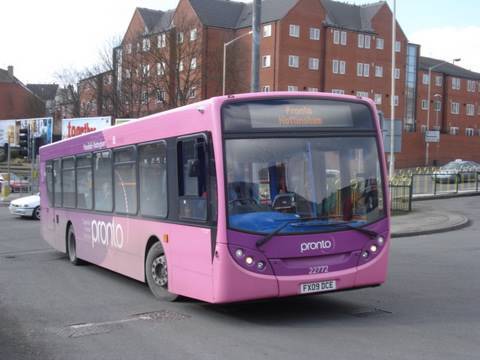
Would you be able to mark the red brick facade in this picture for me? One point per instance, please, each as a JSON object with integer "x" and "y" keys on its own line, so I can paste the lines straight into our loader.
{"x": 300, "y": 50}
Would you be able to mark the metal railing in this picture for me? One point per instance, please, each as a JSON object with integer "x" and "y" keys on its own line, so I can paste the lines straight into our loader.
{"x": 409, "y": 184}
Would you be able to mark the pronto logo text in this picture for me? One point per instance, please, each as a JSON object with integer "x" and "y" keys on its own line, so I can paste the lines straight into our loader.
{"x": 107, "y": 234}
{"x": 316, "y": 245}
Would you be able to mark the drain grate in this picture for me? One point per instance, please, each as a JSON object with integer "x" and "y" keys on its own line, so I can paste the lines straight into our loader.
{"x": 88, "y": 329}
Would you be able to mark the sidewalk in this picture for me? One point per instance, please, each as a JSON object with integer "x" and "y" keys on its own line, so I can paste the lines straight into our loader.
{"x": 425, "y": 220}
{"x": 13, "y": 196}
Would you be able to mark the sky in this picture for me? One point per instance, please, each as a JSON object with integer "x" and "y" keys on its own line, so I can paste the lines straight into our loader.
{"x": 40, "y": 38}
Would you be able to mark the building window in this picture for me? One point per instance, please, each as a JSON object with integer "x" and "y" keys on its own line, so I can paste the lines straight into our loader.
{"x": 180, "y": 66}
{"x": 294, "y": 31}
{"x": 146, "y": 44}
{"x": 361, "y": 40}
{"x": 129, "y": 48}
{"x": 362, "y": 93}
{"x": 395, "y": 100}
{"x": 397, "y": 73}
{"x": 378, "y": 99}
{"x": 192, "y": 93}
{"x": 336, "y": 37}
{"x": 363, "y": 70}
{"x": 343, "y": 38}
{"x": 266, "y": 88}
{"x": 160, "y": 95}
{"x": 193, "y": 63}
{"x": 162, "y": 41}
{"x": 438, "y": 80}
{"x": 293, "y": 61}
{"x": 146, "y": 69}
{"x": 379, "y": 71}
{"x": 338, "y": 91}
{"x": 292, "y": 88}
{"x": 398, "y": 46}
{"x": 339, "y": 67}
{"x": 312, "y": 89}
{"x": 470, "y": 109}
{"x": 471, "y": 86}
{"x": 266, "y": 61}
{"x": 160, "y": 68}
{"x": 267, "y": 30}
{"x": 423, "y": 129}
{"x": 455, "y": 84}
{"x": 313, "y": 63}
{"x": 144, "y": 97}
{"x": 453, "y": 130}
{"x": 380, "y": 43}
{"x": 193, "y": 34}
{"x": 425, "y": 79}
{"x": 469, "y": 132}
{"x": 180, "y": 37}
{"x": 364, "y": 41}
{"x": 455, "y": 108}
{"x": 314, "y": 34}
{"x": 424, "y": 104}
{"x": 128, "y": 74}
{"x": 438, "y": 105}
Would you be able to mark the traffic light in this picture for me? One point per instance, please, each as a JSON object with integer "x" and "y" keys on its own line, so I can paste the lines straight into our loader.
{"x": 24, "y": 137}
{"x": 37, "y": 143}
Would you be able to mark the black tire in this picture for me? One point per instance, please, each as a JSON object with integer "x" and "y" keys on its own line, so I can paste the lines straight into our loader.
{"x": 72, "y": 248}
{"x": 156, "y": 273}
{"x": 36, "y": 213}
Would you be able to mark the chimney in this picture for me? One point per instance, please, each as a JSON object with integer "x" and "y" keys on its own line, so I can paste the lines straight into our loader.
{"x": 10, "y": 70}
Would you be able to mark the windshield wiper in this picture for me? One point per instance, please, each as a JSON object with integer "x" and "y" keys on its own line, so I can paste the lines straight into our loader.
{"x": 370, "y": 233}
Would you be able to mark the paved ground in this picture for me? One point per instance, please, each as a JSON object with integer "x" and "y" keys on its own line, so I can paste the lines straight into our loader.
{"x": 427, "y": 218}
{"x": 428, "y": 309}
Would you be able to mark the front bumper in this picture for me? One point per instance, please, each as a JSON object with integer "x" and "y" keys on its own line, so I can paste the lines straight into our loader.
{"x": 20, "y": 211}
{"x": 233, "y": 283}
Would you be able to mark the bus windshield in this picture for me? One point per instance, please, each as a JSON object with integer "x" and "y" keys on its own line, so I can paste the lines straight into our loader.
{"x": 327, "y": 179}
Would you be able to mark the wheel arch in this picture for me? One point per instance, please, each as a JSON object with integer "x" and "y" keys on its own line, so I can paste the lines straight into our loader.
{"x": 67, "y": 228}
{"x": 152, "y": 240}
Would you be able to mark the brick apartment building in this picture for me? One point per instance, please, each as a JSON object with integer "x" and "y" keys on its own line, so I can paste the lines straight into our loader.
{"x": 16, "y": 100}
{"x": 171, "y": 58}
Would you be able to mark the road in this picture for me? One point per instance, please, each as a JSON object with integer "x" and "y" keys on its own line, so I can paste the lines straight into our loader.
{"x": 428, "y": 309}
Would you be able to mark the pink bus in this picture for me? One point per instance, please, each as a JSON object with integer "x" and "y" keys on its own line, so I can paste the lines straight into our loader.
{"x": 234, "y": 198}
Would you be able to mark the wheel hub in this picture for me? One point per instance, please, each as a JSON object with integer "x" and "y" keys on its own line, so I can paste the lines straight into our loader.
{"x": 159, "y": 271}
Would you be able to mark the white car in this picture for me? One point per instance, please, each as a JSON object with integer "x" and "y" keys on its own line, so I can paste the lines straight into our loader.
{"x": 26, "y": 206}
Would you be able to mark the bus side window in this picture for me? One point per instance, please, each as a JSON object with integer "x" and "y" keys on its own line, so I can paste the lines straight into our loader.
{"x": 49, "y": 178}
{"x": 192, "y": 178}
{"x": 57, "y": 184}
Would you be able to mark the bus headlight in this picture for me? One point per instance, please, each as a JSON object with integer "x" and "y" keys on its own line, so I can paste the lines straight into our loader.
{"x": 365, "y": 254}
{"x": 249, "y": 260}
{"x": 373, "y": 248}
{"x": 239, "y": 253}
{"x": 260, "y": 265}
{"x": 381, "y": 240}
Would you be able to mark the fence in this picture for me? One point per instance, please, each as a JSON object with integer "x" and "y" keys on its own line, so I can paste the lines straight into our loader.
{"x": 409, "y": 184}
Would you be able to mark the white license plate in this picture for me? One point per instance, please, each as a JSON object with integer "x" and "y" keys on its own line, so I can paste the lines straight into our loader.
{"x": 314, "y": 287}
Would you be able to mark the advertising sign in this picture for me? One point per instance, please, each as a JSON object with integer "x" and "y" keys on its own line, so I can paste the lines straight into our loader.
{"x": 38, "y": 128}
{"x": 432, "y": 136}
{"x": 122, "y": 121}
{"x": 8, "y": 132}
{"x": 78, "y": 126}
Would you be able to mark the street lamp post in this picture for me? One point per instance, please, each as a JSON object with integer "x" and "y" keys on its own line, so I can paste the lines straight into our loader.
{"x": 428, "y": 102}
{"x": 225, "y": 56}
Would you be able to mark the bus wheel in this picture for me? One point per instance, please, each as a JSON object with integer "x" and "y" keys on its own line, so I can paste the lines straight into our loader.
{"x": 72, "y": 247}
{"x": 156, "y": 272}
